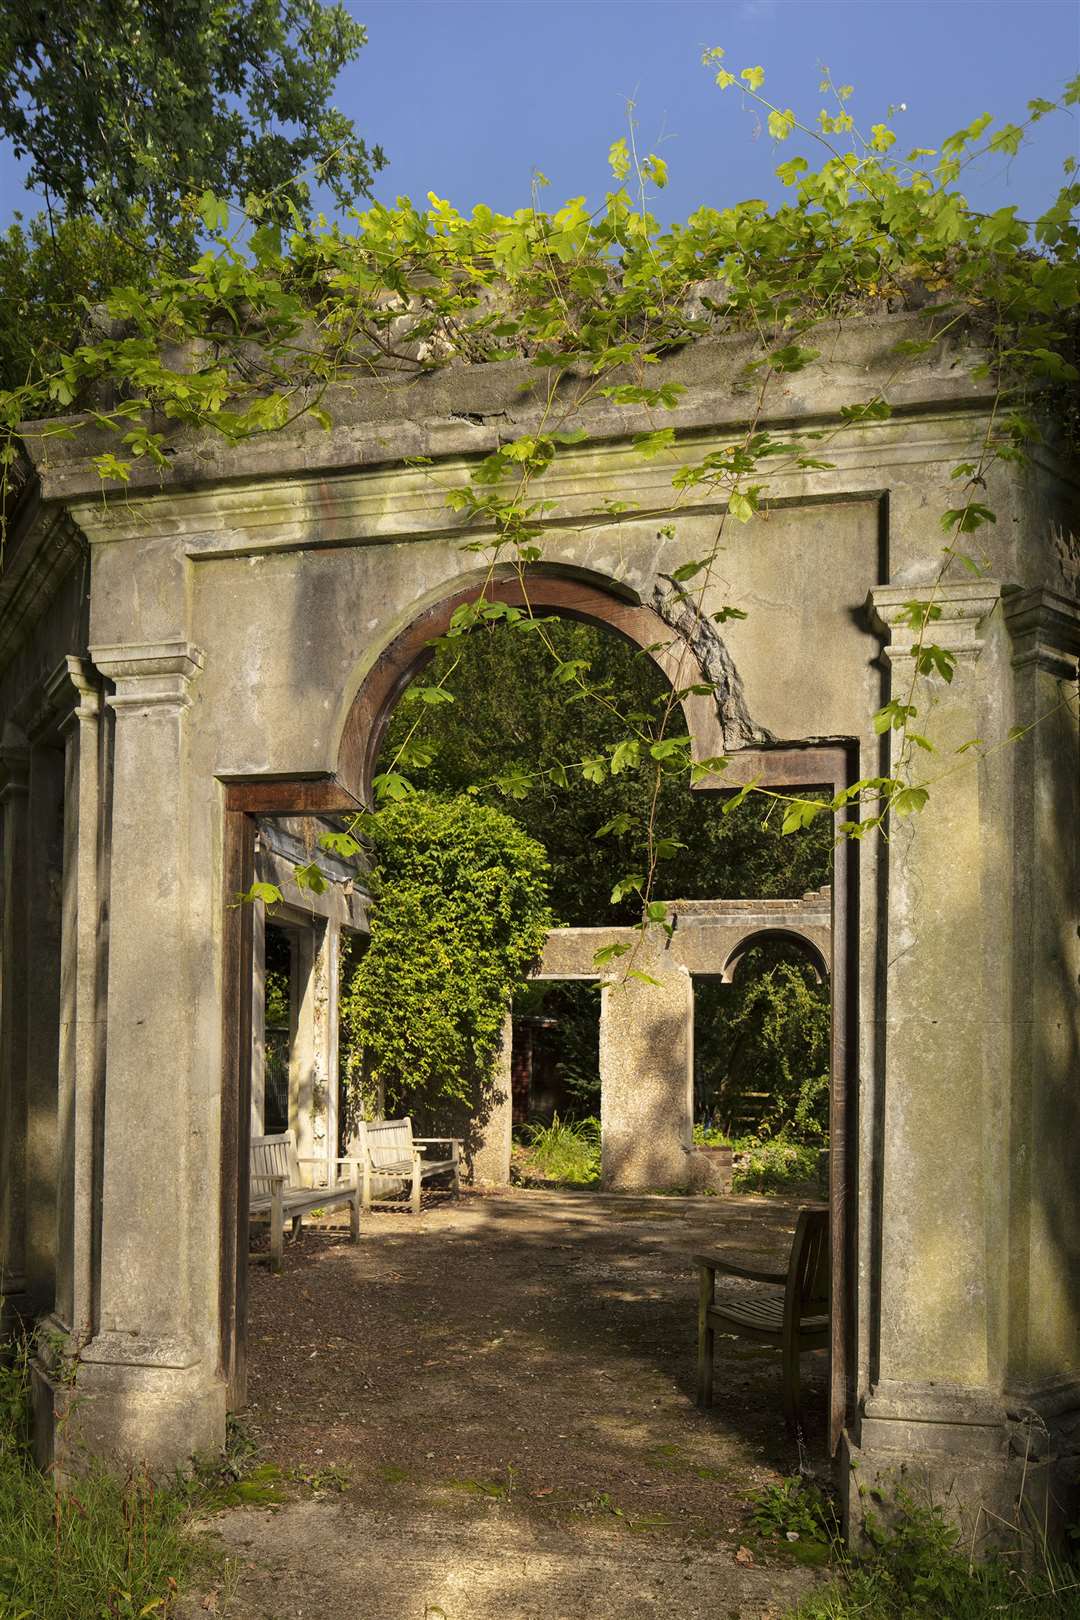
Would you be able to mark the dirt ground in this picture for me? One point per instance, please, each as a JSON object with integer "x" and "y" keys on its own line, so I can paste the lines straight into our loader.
{"x": 488, "y": 1411}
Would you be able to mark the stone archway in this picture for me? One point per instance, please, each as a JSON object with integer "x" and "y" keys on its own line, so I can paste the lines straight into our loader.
{"x": 589, "y": 598}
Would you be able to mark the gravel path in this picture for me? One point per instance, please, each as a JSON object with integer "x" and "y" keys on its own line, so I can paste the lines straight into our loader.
{"x": 489, "y": 1412}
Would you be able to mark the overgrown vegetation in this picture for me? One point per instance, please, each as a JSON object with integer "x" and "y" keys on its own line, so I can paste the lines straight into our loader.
{"x": 918, "y": 1569}
{"x": 108, "y": 1545}
{"x": 773, "y": 1164}
{"x": 761, "y": 1048}
{"x": 259, "y": 330}
{"x": 460, "y": 918}
{"x": 501, "y": 729}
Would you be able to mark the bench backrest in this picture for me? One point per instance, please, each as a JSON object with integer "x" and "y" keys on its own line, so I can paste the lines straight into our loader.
{"x": 810, "y": 1266}
{"x": 385, "y": 1142}
{"x": 272, "y": 1156}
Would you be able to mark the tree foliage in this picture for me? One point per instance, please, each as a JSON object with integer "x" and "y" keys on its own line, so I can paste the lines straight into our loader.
{"x": 761, "y": 1048}
{"x": 126, "y": 108}
{"x": 460, "y": 918}
{"x": 52, "y": 275}
{"x": 508, "y": 725}
{"x": 133, "y": 116}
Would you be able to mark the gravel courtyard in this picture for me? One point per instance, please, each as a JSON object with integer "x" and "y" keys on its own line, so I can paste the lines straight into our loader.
{"x": 488, "y": 1411}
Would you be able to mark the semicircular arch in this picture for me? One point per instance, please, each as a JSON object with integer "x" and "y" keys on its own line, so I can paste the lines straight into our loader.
{"x": 803, "y": 942}
{"x": 588, "y": 598}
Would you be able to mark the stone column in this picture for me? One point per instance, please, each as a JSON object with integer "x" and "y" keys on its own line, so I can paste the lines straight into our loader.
{"x": 148, "y": 1383}
{"x": 303, "y": 1056}
{"x": 1043, "y": 1128}
{"x": 488, "y": 1156}
{"x": 647, "y": 1075}
{"x": 81, "y": 1070}
{"x": 14, "y": 876}
{"x": 934, "y": 1409}
{"x": 327, "y": 994}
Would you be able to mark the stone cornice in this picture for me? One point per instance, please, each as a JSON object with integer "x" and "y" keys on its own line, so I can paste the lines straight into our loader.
{"x": 468, "y": 409}
{"x": 33, "y": 572}
{"x": 1045, "y": 629}
{"x": 962, "y": 605}
{"x": 390, "y": 502}
{"x": 150, "y": 673}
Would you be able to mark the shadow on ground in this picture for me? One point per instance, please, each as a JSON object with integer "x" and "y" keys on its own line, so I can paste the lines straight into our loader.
{"x": 489, "y": 1412}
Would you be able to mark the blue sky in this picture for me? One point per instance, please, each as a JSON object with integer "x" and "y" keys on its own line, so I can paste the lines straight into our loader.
{"x": 468, "y": 97}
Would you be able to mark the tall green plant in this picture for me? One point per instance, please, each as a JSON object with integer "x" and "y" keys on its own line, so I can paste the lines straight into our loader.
{"x": 460, "y": 917}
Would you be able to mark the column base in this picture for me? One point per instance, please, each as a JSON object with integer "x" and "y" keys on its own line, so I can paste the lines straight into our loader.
{"x": 1001, "y": 1468}
{"x": 159, "y": 1414}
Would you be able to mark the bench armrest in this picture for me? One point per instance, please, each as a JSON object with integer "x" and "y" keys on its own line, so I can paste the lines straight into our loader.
{"x": 430, "y": 1141}
{"x": 748, "y": 1273}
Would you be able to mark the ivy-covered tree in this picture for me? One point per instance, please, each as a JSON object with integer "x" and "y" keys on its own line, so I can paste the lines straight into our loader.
{"x": 460, "y": 917}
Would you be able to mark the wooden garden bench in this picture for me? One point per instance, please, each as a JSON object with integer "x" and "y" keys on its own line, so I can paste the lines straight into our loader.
{"x": 387, "y": 1150}
{"x": 276, "y": 1190}
{"x": 794, "y": 1315}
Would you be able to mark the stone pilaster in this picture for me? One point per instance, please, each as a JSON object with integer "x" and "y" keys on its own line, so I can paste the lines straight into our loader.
{"x": 148, "y": 1381}
{"x": 15, "y": 858}
{"x": 45, "y": 877}
{"x": 936, "y": 1412}
{"x": 76, "y": 694}
{"x": 1043, "y": 1221}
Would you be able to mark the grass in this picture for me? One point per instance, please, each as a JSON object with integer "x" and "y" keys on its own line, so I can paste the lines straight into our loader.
{"x": 566, "y": 1151}
{"x": 107, "y": 1546}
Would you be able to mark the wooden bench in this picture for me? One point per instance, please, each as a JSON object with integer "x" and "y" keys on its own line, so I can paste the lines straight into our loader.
{"x": 276, "y": 1190}
{"x": 385, "y": 1150}
{"x": 794, "y": 1315}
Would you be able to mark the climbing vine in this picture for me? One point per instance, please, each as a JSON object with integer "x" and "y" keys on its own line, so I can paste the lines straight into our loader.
{"x": 270, "y": 325}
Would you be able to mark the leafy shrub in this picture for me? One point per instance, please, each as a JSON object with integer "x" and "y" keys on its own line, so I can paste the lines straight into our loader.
{"x": 796, "y": 1509}
{"x": 916, "y": 1571}
{"x": 710, "y": 1136}
{"x": 772, "y": 1164}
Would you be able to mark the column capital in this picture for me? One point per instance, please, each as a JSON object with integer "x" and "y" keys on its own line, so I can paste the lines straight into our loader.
{"x": 149, "y": 673}
{"x": 69, "y": 692}
{"x": 962, "y": 607}
{"x": 73, "y": 693}
{"x": 1045, "y": 631}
